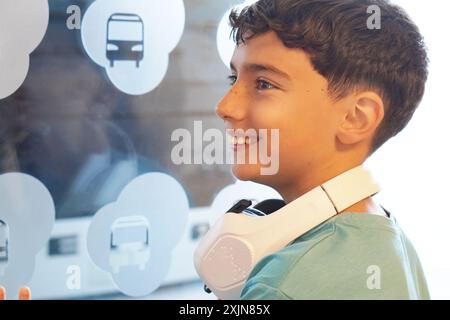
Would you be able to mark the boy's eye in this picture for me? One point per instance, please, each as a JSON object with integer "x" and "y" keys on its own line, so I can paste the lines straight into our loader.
{"x": 232, "y": 80}
{"x": 264, "y": 85}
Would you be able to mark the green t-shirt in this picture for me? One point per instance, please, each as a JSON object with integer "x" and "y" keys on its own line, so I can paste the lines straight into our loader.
{"x": 351, "y": 256}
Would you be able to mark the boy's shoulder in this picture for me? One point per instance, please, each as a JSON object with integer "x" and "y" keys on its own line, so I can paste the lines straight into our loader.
{"x": 352, "y": 256}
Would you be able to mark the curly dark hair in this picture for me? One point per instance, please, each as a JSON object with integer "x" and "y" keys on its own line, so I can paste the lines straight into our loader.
{"x": 391, "y": 60}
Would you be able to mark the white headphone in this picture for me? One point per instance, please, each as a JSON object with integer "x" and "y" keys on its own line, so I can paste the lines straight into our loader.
{"x": 242, "y": 237}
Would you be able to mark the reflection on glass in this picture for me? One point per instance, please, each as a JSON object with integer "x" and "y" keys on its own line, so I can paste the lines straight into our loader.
{"x": 69, "y": 127}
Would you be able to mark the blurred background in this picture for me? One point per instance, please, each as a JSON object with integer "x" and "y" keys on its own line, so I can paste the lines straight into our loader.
{"x": 72, "y": 129}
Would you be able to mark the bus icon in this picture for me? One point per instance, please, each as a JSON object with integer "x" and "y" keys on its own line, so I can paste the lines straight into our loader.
{"x": 129, "y": 243}
{"x": 125, "y": 38}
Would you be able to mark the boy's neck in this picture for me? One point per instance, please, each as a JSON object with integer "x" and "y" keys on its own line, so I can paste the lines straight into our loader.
{"x": 312, "y": 180}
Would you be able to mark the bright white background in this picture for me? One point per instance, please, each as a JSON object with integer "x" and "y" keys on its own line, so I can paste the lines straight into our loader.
{"x": 414, "y": 167}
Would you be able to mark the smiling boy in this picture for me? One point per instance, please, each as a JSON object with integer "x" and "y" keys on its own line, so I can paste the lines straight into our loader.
{"x": 336, "y": 90}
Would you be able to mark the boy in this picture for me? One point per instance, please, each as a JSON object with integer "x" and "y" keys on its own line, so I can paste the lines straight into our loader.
{"x": 337, "y": 90}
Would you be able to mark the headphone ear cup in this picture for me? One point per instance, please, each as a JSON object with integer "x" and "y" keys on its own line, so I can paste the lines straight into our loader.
{"x": 270, "y": 206}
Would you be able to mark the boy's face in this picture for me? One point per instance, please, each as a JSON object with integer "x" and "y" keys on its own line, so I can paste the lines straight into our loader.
{"x": 277, "y": 88}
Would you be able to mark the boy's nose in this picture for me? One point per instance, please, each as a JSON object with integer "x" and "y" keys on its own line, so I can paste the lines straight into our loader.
{"x": 232, "y": 107}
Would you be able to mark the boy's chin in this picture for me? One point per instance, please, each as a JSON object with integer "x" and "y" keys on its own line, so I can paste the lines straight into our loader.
{"x": 247, "y": 172}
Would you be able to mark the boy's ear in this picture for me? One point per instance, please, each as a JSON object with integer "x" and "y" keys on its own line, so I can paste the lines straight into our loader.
{"x": 361, "y": 117}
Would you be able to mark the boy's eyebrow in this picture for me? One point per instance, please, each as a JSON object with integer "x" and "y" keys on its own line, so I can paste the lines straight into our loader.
{"x": 255, "y": 67}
